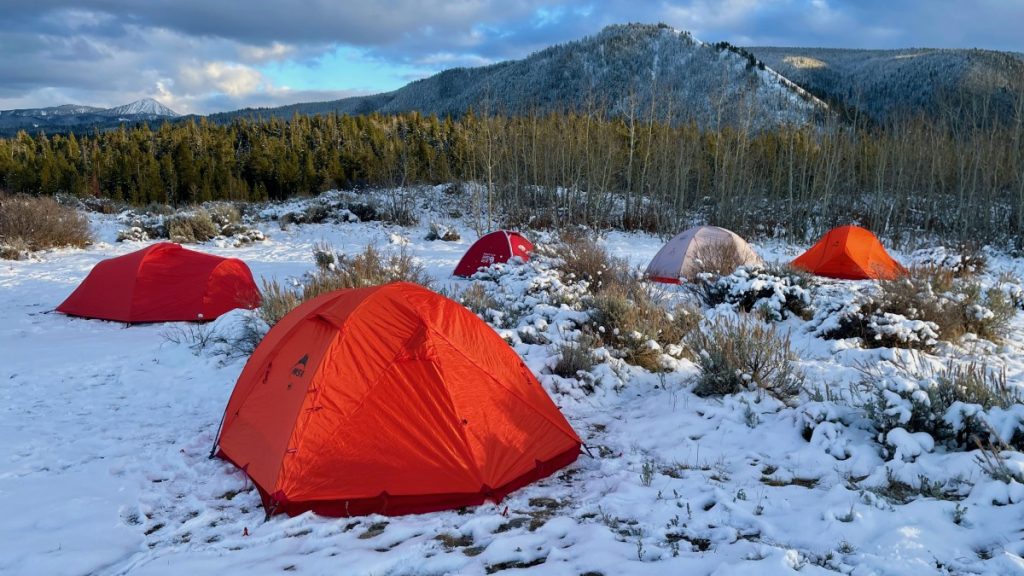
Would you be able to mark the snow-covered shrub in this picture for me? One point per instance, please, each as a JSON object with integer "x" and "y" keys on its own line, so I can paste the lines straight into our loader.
{"x": 956, "y": 306}
{"x": 1013, "y": 288}
{"x": 151, "y": 223}
{"x": 442, "y": 232}
{"x": 532, "y": 298}
{"x": 575, "y": 356}
{"x": 631, "y": 320}
{"x": 223, "y": 213}
{"x": 191, "y": 227}
{"x": 961, "y": 262}
{"x": 958, "y": 407}
{"x": 776, "y": 292}
{"x": 915, "y": 311}
{"x": 241, "y": 235}
{"x": 741, "y": 353}
{"x": 132, "y": 234}
{"x": 477, "y": 299}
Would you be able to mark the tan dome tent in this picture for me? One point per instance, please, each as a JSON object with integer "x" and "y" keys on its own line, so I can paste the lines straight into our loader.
{"x": 701, "y": 249}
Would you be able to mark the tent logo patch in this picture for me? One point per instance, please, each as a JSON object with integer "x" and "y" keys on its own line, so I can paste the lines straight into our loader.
{"x": 300, "y": 367}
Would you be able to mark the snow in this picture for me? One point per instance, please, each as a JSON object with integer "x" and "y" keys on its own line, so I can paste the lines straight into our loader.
{"x": 105, "y": 432}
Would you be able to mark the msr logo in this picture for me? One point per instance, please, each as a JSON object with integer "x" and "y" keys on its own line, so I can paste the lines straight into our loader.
{"x": 300, "y": 367}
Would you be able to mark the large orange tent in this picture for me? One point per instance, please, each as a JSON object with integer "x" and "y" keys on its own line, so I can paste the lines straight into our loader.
{"x": 391, "y": 400}
{"x": 850, "y": 253}
{"x": 163, "y": 283}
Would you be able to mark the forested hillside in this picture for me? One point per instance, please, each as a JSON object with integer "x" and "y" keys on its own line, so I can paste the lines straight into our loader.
{"x": 888, "y": 84}
{"x": 627, "y": 70}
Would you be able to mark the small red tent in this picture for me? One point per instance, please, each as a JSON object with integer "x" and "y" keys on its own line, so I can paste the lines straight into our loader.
{"x": 849, "y": 253}
{"x": 393, "y": 400}
{"x": 163, "y": 283}
{"x": 491, "y": 248}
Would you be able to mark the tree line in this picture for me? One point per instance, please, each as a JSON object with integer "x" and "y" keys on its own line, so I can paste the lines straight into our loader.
{"x": 904, "y": 180}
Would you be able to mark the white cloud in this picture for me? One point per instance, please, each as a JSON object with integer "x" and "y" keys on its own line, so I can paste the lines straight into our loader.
{"x": 275, "y": 51}
{"x": 229, "y": 78}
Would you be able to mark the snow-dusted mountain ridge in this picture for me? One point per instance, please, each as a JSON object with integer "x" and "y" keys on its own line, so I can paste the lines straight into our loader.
{"x": 72, "y": 117}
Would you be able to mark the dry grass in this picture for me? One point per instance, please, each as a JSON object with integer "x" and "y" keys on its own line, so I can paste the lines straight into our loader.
{"x": 277, "y": 302}
{"x": 742, "y": 354}
{"x": 29, "y": 223}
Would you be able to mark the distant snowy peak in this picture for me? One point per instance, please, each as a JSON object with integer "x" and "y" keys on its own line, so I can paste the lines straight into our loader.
{"x": 144, "y": 107}
{"x": 74, "y": 117}
{"x": 54, "y": 111}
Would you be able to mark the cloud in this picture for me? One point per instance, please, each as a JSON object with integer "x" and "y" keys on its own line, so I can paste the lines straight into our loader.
{"x": 231, "y": 79}
{"x": 203, "y": 56}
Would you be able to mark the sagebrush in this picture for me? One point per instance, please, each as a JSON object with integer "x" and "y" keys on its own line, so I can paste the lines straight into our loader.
{"x": 742, "y": 353}
{"x": 29, "y": 223}
{"x": 335, "y": 271}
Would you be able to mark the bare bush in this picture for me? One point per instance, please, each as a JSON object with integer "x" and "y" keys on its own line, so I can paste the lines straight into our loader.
{"x": 743, "y": 354}
{"x": 29, "y": 223}
{"x": 371, "y": 267}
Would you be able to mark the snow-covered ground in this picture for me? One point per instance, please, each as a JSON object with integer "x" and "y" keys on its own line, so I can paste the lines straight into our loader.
{"x": 105, "y": 432}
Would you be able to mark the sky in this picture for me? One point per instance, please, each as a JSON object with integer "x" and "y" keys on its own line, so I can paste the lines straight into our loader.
{"x": 203, "y": 56}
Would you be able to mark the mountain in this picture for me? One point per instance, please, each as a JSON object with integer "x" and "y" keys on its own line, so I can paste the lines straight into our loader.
{"x": 884, "y": 84}
{"x": 144, "y": 107}
{"x": 624, "y": 69}
{"x": 71, "y": 117}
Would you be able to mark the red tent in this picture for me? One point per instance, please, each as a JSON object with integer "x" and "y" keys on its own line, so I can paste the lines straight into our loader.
{"x": 163, "y": 283}
{"x": 393, "y": 400}
{"x": 850, "y": 253}
{"x": 494, "y": 247}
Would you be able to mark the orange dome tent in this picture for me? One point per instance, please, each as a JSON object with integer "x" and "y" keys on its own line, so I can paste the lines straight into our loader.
{"x": 849, "y": 253}
{"x": 393, "y": 400}
{"x": 163, "y": 283}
